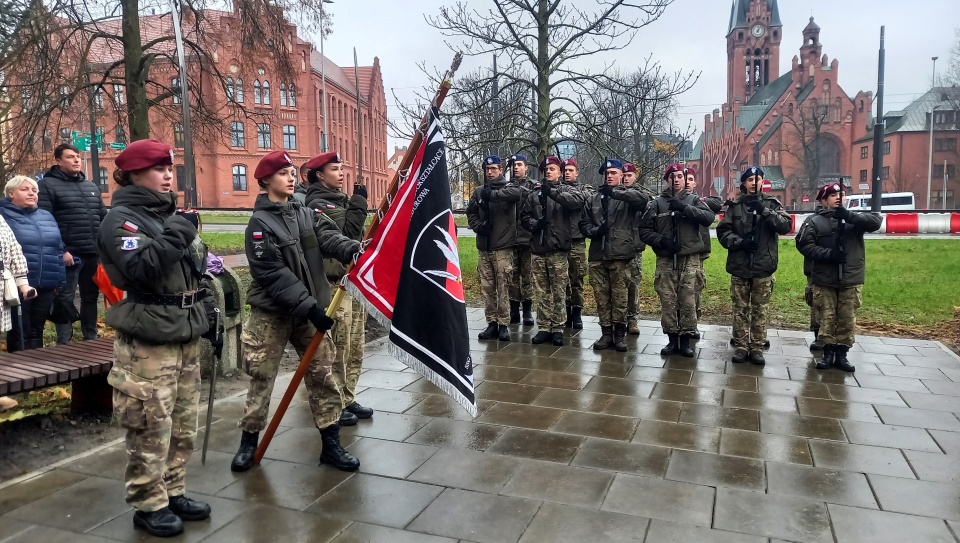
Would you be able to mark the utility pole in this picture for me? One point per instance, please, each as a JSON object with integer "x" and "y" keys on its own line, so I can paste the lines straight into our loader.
{"x": 323, "y": 77}
{"x": 933, "y": 108}
{"x": 879, "y": 130}
{"x": 94, "y": 147}
{"x": 356, "y": 76}
{"x": 189, "y": 166}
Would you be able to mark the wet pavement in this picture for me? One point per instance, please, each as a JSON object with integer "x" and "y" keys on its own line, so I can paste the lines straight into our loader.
{"x": 575, "y": 445}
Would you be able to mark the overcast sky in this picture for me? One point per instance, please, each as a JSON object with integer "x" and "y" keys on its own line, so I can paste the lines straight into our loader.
{"x": 689, "y": 36}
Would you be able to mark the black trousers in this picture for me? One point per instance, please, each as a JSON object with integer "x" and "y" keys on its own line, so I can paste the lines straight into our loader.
{"x": 33, "y": 316}
{"x": 81, "y": 277}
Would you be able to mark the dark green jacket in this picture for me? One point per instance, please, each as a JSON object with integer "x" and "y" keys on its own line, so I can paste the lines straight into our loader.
{"x": 560, "y": 205}
{"x": 715, "y": 204}
{"x": 818, "y": 236}
{"x": 622, "y": 241}
{"x": 500, "y": 213}
{"x": 339, "y": 213}
{"x": 588, "y": 191}
{"x": 737, "y": 225}
{"x": 147, "y": 249}
{"x": 656, "y": 224}
{"x": 526, "y": 186}
{"x": 286, "y": 263}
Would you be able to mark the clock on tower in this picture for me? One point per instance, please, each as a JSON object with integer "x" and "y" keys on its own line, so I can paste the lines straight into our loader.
{"x": 758, "y": 31}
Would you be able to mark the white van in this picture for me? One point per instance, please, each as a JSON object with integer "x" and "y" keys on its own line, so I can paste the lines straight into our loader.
{"x": 892, "y": 201}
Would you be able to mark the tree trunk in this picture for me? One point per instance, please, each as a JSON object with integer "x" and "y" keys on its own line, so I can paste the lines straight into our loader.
{"x": 543, "y": 81}
{"x": 135, "y": 74}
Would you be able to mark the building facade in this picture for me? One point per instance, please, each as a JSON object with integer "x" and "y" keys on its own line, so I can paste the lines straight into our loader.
{"x": 799, "y": 125}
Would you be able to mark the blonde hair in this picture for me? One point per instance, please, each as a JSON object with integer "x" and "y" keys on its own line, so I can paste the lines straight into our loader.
{"x": 15, "y": 183}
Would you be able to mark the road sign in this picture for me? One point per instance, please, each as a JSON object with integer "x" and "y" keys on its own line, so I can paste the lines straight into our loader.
{"x": 766, "y": 186}
{"x": 118, "y": 145}
{"x": 864, "y": 186}
{"x": 81, "y": 142}
{"x": 806, "y": 199}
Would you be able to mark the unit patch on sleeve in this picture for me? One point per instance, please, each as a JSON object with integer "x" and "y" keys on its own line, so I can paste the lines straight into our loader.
{"x": 130, "y": 243}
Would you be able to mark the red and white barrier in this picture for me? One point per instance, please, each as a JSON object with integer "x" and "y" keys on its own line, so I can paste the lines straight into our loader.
{"x": 906, "y": 223}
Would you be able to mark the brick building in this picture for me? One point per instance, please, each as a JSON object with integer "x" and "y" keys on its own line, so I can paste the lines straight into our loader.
{"x": 258, "y": 113}
{"x": 906, "y": 149}
{"x": 800, "y": 126}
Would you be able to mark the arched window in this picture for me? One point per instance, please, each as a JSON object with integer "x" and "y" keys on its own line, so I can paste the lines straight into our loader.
{"x": 829, "y": 154}
{"x": 266, "y": 93}
{"x": 230, "y": 89}
{"x": 256, "y": 92}
{"x": 292, "y": 96}
{"x": 837, "y": 107}
{"x": 238, "y": 91}
{"x": 283, "y": 94}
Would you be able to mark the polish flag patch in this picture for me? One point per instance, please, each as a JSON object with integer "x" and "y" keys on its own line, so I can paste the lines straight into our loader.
{"x": 129, "y": 226}
{"x": 258, "y": 235}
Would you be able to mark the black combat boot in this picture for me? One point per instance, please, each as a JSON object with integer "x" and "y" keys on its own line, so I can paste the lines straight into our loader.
{"x": 756, "y": 358}
{"x": 243, "y": 460}
{"x": 840, "y": 359}
{"x": 740, "y": 356}
{"x": 514, "y": 312}
{"x": 160, "y": 523}
{"x": 606, "y": 339}
{"x": 333, "y": 453}
{"x": 826, "y": 362}
{"x": 575, "y": 317}
{"x": 632, "y": 327}
{"x": 694, "y": 335}
{"x": 619, "y": 337}
{"x": 766, "y": 344}
{"x": 684, "y": 347}
{"x": 558, "y": 339}
{"x": 671, "y": 347}
{"x": 188, "y": 509}
{"x": 490, "y": 332}
{"x": 347, "y": 418}
{"x": 527, "y": 315}
{"x": 504, "y": 333}
{"x": 360, "y": 411}
{"x": 541, "y": 337}
{"x": 569, "y": 322}
{"x": 733, "y": 342}
{"x": 817, "y": 345}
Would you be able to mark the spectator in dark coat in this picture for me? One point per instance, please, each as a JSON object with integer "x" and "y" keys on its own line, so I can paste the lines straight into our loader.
{"x": 77, "y": 206}
{"x": 39, "y": 238}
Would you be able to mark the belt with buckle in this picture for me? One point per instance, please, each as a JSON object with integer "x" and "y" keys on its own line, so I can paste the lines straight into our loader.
{"x": 184, "y": 300}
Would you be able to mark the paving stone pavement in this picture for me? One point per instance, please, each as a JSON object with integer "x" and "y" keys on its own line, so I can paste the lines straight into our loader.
{"x": 576, "y": 445}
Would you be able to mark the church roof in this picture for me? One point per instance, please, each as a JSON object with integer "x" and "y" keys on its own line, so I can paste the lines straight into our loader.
{"x": 738, "y": 14}
{"x": 760, "y": 103}
{"x": 697, "y": 152}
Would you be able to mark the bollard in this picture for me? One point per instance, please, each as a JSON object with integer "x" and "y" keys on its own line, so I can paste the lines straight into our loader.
{"x": 229, "y": 298}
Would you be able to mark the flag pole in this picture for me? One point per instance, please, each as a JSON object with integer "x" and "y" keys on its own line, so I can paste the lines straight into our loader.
{"x": 311, "y": 350}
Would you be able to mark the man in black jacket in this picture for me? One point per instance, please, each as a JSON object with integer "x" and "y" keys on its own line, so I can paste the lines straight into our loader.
{"x": 521, "y": 291}
{"x": 76, "y": 204}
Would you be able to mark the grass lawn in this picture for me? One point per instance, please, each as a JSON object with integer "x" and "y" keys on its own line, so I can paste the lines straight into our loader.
{"x": 224, "y": 244}
{"x": 224, "y": 218}
{"x": 907, "y": 284}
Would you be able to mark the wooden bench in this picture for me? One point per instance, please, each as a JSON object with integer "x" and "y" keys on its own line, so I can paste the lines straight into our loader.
{"x": 84, "y": 364}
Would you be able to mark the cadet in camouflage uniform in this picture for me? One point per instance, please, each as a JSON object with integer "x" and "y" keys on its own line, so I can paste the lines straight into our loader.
{"x": 546, "y": 214}
{"x": 340, "y": 214}
{"x": 158, "y": 258}
{"x": 521, "y": 291}
{"x": 832, "y": 242}
{"x": 671, "y": 225}
{"x": 492, "y": 214}
{"x": 288, "y": 296}
{"x": 609, "y": 220}
{"x": 635, "y": 268}
{"x": 817, "y": 344}
{"x": 715, "y": 204}
{"x": 577, "y": 259}
{"x": 750, "y": 231}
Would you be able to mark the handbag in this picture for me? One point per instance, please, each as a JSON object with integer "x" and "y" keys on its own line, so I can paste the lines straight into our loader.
{"x": 63, "y": 311}
{"x": 11, "y": 294}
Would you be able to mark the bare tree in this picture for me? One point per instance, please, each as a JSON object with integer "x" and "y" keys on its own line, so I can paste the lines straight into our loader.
{"x": 546, "y": 42}
{"x": 804, "y": 140}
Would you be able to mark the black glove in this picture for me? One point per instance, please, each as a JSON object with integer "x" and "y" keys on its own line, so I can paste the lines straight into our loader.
{"x": 602, "y": 230}
{"x": 748, "y": 245}
{"x": 484, "y": 229}
{"x": 361, "y": 190}
{"x": 541, "y": 224}
{"x": 756, "y": 206}
{"x": 485, "y": 194}
{"x": 841, "y": 213}
{"x": 179, "y": 230}
{"x": 319, "y": 319}
{"x": 837, "y": 256}
{"x": 545, "y": 188}
{"x": 606, "y": 190}
{"x": 216, "y": 339}
{"x": 677, "y": 205}
{"x": 670, "y": 246}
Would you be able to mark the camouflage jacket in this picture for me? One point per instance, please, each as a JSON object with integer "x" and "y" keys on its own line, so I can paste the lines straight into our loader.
{"x": 657, "y": 223}
{"x": 345, "y": 215}
{"x": 499, "y": 214}
{"x": 737, "y": 225}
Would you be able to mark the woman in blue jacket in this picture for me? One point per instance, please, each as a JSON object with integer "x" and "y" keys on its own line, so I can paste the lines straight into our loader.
{"x": 38, "y": 235}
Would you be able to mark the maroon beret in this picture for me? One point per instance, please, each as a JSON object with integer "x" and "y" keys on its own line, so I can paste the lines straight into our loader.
{"x": 571, "y": 162}
{"x": 143, "y": 154}
{"x": 322, "y": 160}
{"x": 675, "y": 167}
{"x": 551, "y": 160}
{"x": 629, "y": 167}
{"x": 829, "y": 189}
{"x": 271, "y": 163}
{"x": 691, "y": 171}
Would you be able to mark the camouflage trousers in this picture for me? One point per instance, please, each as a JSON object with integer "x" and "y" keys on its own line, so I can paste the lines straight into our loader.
{"x": 610, "y": 279}
{"x": 495, "y": 271}
{"x": 837, "y": 309}
{"x": 156, "y": 397}
{"x": 808, "y": 297}
{"x": 550, "y": 276}
{"x": 701, "y": 282}
{"x": 521, "y": 288}
{"x": 577, "y": 264}
{"x": 262, "y": 342}
{"x": 348, "y": 338}
{"x": 750, "y": 299}
{"x": 634, "y": 276}
{"x": 677, "y": 291}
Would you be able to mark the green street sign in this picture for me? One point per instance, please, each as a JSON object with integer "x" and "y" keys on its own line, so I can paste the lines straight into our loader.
{"x": 82, "y": 143}
{"x": 120, "y": 146}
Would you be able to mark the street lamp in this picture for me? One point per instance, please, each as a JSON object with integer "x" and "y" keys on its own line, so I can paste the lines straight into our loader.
{"x": 933, "y": 84}
{"x": 323, "y": 83}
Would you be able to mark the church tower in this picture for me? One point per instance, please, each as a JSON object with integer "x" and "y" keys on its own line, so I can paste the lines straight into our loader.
{"x": 753, "y": 47}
